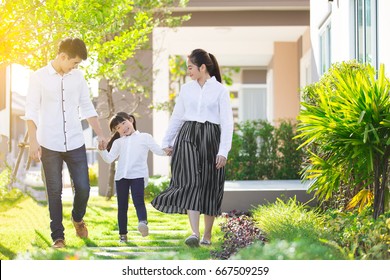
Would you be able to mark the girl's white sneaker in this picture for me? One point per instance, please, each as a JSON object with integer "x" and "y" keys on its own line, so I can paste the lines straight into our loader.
{"x": 143, "y": 228}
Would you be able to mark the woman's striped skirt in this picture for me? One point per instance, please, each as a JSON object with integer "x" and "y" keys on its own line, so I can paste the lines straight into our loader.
{"x": 196, "y": 184}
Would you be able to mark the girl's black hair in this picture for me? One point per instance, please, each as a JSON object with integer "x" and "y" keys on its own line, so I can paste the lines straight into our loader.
{"x": 199, "y": 57}
{"x": 114, "y": 121}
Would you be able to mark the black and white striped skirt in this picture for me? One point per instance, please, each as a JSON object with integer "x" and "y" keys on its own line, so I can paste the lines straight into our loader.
{"x": 196, "y": 183}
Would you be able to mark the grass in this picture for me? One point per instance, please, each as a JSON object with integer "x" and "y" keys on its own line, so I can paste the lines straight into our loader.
{"x": 25, "y": 234}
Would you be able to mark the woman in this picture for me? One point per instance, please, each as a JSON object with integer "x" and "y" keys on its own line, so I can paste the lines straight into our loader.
{"x": 202, "y": 124}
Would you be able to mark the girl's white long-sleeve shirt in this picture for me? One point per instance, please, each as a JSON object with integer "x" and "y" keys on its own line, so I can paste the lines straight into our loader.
{"x": 132, "y": 154}
{"x": 208, "y": 103}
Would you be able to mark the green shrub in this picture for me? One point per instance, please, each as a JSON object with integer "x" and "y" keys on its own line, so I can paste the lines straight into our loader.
{"x": 156, "y": 185}
{"x": 261, "y": 151}
{"x": 345, "y": 125}
{"x": 289, "y": 220}
{"x": 93, "y": 175}
{"x": 359, "y": 236}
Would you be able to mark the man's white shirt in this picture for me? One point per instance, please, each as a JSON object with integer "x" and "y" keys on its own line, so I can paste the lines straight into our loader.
{"x": 57, "y": 104}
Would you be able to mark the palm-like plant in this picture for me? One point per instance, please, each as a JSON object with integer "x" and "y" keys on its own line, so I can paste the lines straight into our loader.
{"x": 345, "y": 124}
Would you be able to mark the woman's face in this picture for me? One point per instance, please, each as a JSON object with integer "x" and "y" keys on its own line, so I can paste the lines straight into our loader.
{"x": 125, "y": 128}
{"x": 193, "y": 70}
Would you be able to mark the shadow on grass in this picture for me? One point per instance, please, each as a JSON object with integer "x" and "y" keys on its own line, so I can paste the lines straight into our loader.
{"x": 41, "y": 241}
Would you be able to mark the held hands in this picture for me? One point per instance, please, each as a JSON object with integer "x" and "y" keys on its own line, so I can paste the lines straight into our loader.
{"x": 220, "y": 162}
{"x": 168, "y": 151}
{"x": 102, "y": 143}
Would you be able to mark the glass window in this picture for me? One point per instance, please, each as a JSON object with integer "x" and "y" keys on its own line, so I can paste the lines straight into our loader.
{"x": 325, "y": 54}
{"x": 366, "y": 31}
{"x": 254, "y": 103}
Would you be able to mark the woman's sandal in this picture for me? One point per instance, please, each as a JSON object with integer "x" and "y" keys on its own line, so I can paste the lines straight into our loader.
{"x": 205, "y": 242}
{"x": 192, "y": 241}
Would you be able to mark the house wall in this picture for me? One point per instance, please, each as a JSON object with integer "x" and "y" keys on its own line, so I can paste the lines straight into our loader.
{"x": 340, "y": 14}
{"x": 254, "y": 76}
{"x": 383, "y": 37}
{"x": 285, "y": 81}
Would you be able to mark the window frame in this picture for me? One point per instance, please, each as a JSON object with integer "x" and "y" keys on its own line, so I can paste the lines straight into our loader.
{"x": 362, "y": 40}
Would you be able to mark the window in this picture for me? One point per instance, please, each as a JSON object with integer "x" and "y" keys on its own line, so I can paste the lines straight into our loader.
{"x": 366, "y": 31}
{"x": 253, "y": 103}
{"x": 325, "y": 58}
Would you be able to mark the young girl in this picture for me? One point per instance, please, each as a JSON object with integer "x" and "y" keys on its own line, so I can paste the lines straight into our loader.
{"x": 130, "y": 147}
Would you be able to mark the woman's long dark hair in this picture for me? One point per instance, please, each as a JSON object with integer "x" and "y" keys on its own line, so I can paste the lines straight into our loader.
{"x": 114, "y": 121}
{"x": 199, "y": 57}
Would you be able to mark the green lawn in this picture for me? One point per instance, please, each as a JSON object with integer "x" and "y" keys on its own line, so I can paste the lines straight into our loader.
{"x": 25, "y": 234}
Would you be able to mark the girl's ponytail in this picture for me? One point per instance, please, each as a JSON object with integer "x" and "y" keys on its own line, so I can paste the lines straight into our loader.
{"x": 112, "y": 139}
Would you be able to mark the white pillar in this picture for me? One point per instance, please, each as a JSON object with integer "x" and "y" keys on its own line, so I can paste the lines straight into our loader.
{"x": 161, "y": 165}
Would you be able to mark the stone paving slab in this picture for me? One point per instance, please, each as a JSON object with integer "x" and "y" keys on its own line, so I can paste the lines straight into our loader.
{"x": 135, "y": 248}
{"x": 131, "y": 254}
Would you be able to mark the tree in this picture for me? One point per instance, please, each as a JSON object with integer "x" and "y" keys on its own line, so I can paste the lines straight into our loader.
{"x": 345, "y": 124}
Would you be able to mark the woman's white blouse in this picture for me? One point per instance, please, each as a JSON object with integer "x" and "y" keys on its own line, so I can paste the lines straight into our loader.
{"x": 132, "y": 154}
{"x": 208, "y": 103}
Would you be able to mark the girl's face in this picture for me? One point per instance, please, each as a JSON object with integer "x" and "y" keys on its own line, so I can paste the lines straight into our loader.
{"x": 125, "y": 128}
{"x": 193, "y": 70}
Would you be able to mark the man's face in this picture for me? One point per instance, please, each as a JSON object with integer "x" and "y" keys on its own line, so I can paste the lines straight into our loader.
{"x": 68, "y": 64}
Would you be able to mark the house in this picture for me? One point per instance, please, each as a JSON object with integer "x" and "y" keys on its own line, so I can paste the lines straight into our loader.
{"x": 343, "y": 30}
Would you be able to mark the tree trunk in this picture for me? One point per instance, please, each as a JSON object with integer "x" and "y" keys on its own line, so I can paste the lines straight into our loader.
{"x": 111, "y": 180}
{"x": 111, "y": 111}
{"x": 380, "y": 184}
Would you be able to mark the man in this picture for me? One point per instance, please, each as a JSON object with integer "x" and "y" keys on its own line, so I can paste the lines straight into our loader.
{"x": 58, "y": 96}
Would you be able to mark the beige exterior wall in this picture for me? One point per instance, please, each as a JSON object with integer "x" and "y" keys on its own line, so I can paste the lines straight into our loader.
{"x": 306, "y": 42}
{"x": 248, "y": 4}
{"x": 254, "y": 76}
{"x": 286, "y": 81}
{"x": 247, "y": 18}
